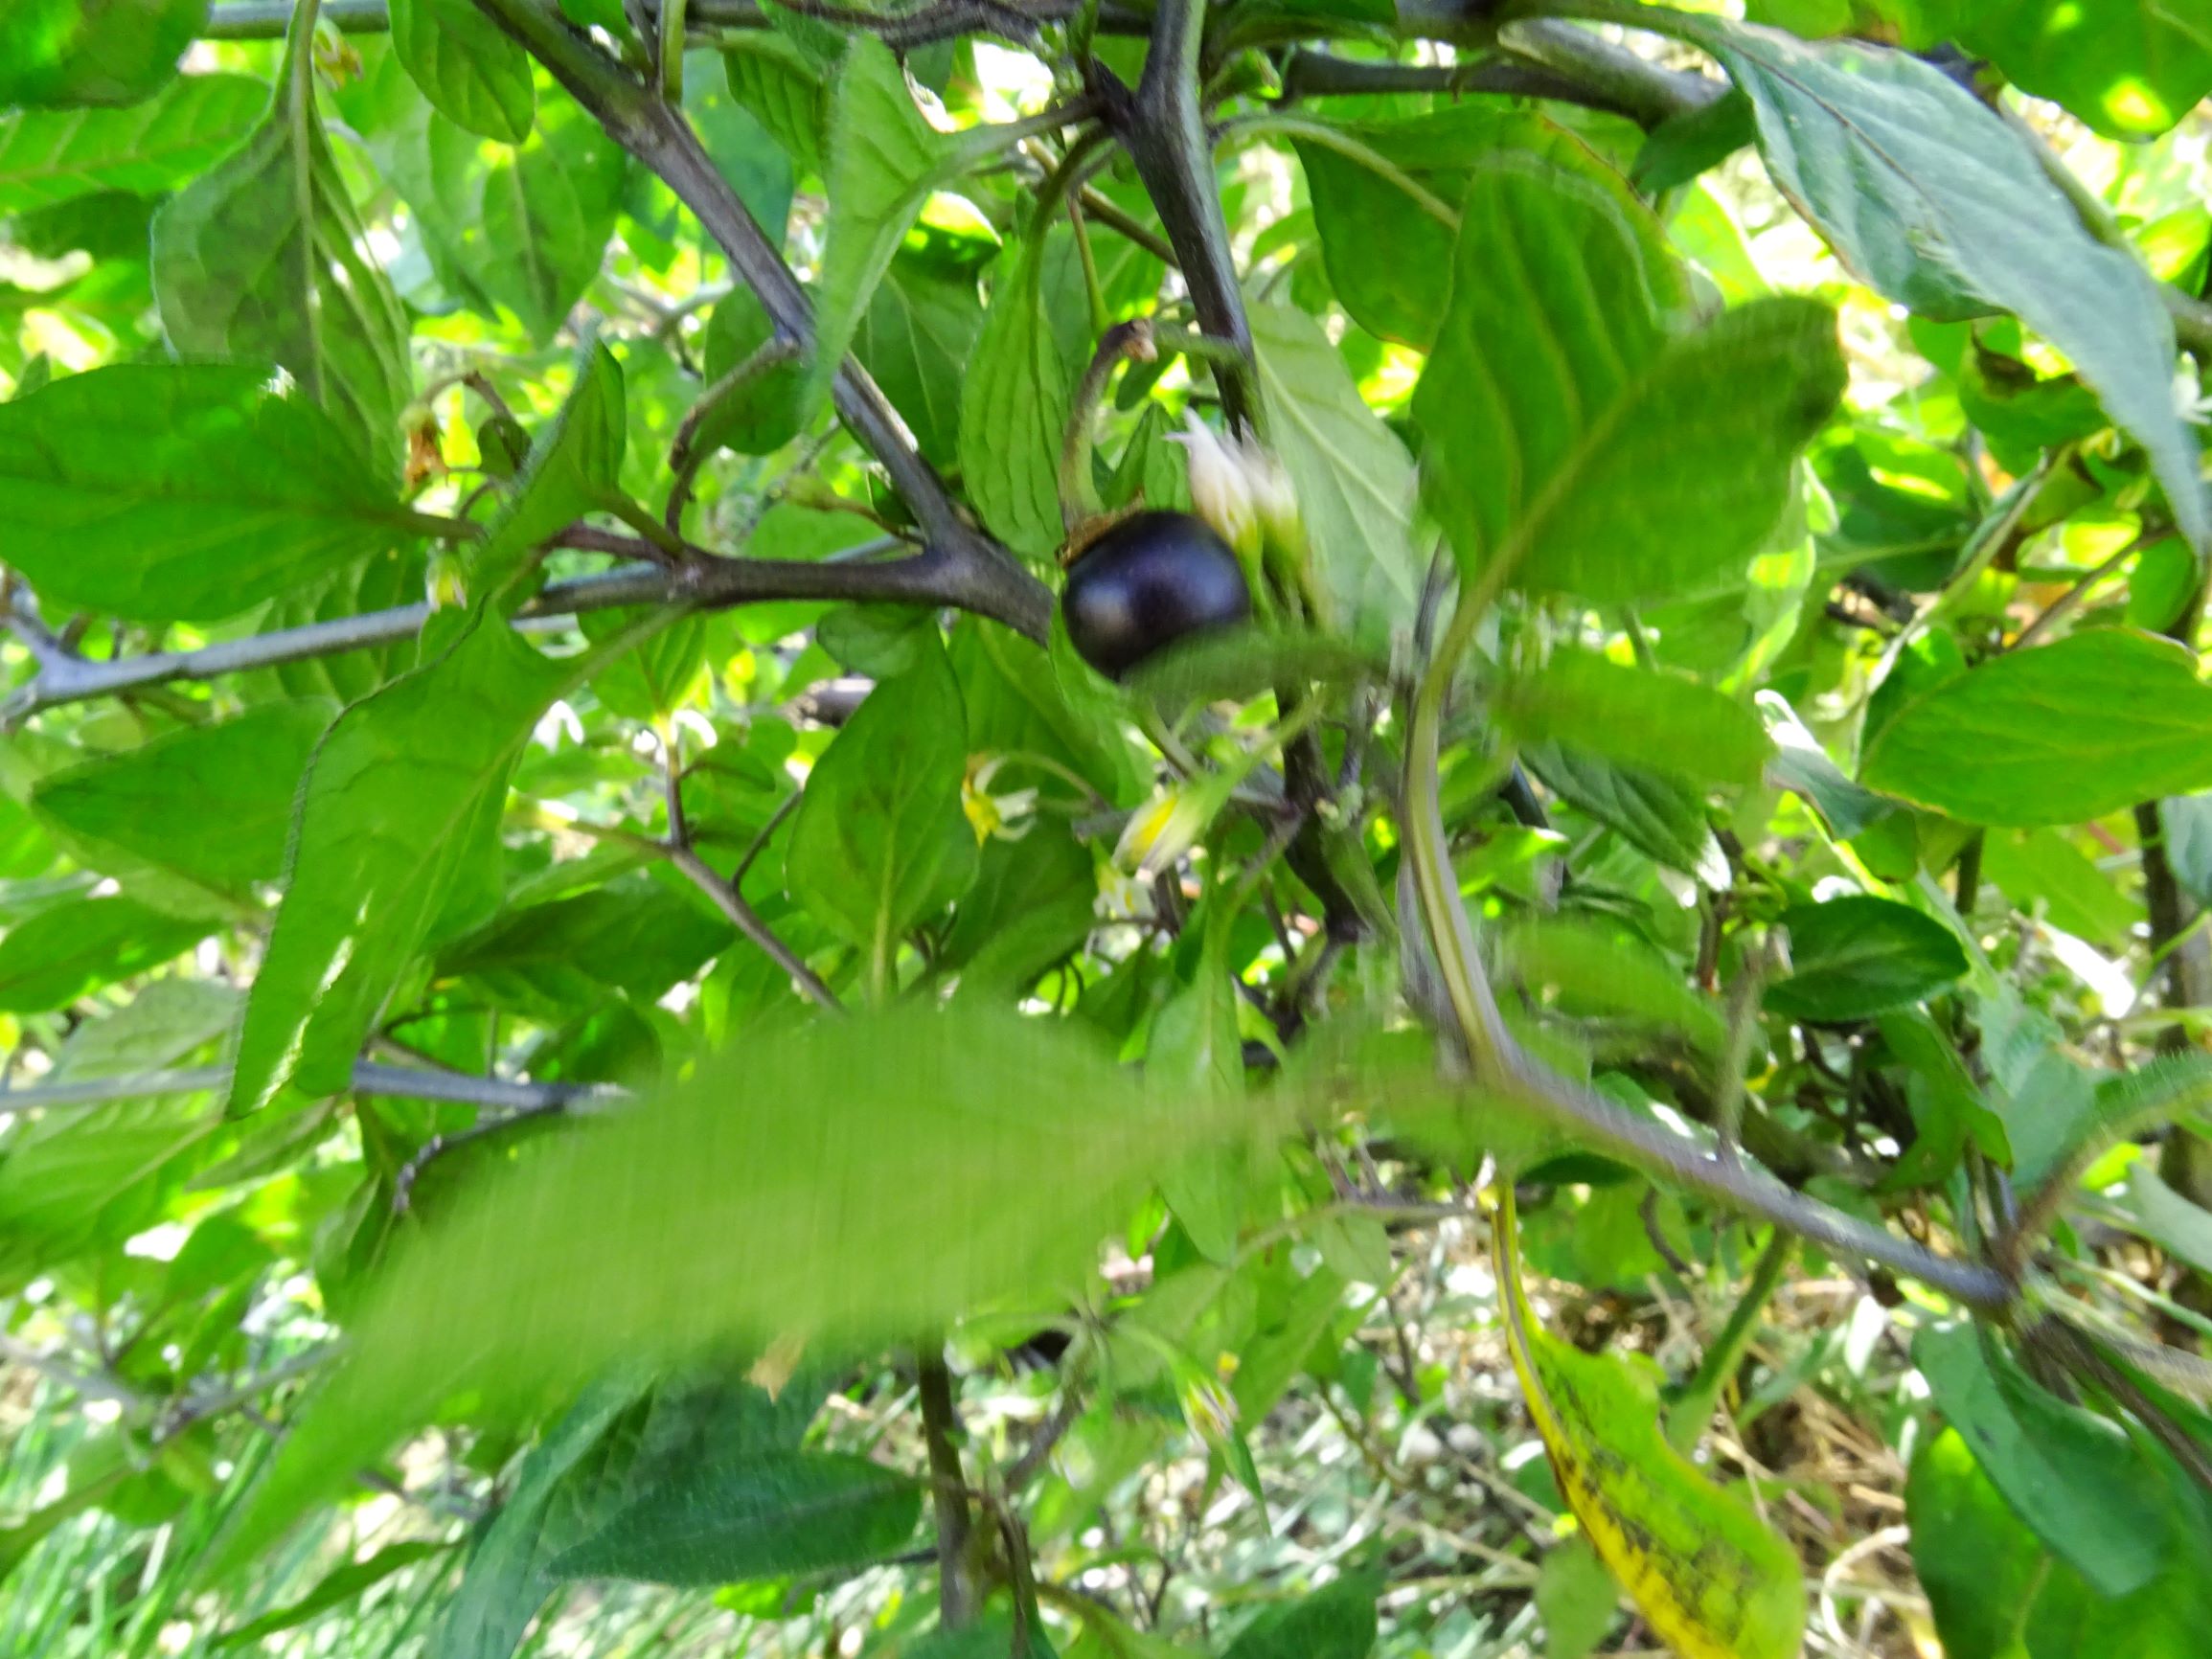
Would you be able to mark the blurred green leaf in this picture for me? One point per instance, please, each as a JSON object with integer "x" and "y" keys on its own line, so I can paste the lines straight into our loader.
{"x": 1641, "y": 464}
{"x": 213, "y": 804}
{"x": 1858, "y": 956}
{"x": 2128, "y": 68}
{"x": 857, "y": 1180}
{"x": 474, "y": 73}
{"x": 98, "y": 52}
{"x": 52, "y": 156}
{"x": 60, "y": 955}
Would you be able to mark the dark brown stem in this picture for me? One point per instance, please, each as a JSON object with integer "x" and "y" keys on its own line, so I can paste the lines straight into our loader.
{"x": 948, "y": 1490}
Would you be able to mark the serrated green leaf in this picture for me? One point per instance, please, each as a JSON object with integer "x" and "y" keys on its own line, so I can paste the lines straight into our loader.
{"x": 916, "y": 340}
{"x": 476, "y": 74}
{"x": 264, "y": 259}
{"x": 2056, "y": 734}
{"x": 51, "y": 156}
{"x": 779, "y": 85}
{"x": 1663, "y": 815}
{"x": 181, "y": 491}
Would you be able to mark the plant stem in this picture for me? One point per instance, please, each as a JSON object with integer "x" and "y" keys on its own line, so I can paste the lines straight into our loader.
{"x": 1503, "y": 1069}
{"x": 948, "y": 1487}
{"x": 1686, "y": 1421}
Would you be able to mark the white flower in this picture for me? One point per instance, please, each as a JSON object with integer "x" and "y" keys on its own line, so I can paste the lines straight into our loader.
{"x": 2191, "y": 401}
{"x": 1221, "y": 486}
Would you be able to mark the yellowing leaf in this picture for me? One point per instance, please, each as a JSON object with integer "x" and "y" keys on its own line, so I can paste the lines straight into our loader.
{"x": 1713, "y": 1581}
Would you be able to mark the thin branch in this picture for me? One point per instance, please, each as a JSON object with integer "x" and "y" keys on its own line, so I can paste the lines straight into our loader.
{"x": 438, "y": 1146}
{"x": 948, "y": 1488}
{"x": 1163, "y": 128}
{"x": 747, "y": 922}
{"x": 969, "y": 570}
{"x": 928, "y": 577}
{"x": 1313, "y": 74}
{"x": 369, "y": 1077}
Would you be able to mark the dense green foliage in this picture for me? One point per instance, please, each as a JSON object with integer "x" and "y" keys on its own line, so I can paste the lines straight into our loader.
{"x": 1592, "y": 1038}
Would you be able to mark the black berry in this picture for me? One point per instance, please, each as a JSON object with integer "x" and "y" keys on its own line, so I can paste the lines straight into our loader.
{"x": 1151, "y": 580}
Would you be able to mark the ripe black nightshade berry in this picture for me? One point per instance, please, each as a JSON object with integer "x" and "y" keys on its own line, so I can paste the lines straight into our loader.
{"x": 1147, "y": 581}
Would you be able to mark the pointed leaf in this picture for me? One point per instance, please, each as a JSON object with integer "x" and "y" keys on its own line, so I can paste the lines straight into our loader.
{"x": 1713, "y": 1579}
{"x": 1936, "y": 204}
{"x": 50, "y": 156}
{"x": 1352, "y": 475}
{"x": 1013, "y": 410}
{"x": 1855, "y": 957}
{"x": 473, "y": 73}
{"x": 1570, "y": 440}
{"x": 263, "y": 259}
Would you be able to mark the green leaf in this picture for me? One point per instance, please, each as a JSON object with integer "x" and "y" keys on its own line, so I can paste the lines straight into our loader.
{"x": 1352, "y": 475}
{"x": 167, "y": 1023}
{"x": 1014, "y": 409}
{"x": 473, "y": 71}
{"x": 1663, "y": 815}
{"x": 754, "y": 1517}
{"x": 858, "y": 1181}
{"x": 883, "y": 160}
{"x": 1710, "y": 1576}
{"x": 777, "y": 83}
{"x": 2130, "y": 68}
{"x": 634, "y": 936}
{"x": 1195, "y": 1044}
{"x": 2056, "y": 734}
{"x": 60, "y": 955}
{"x": 341, "y": 1584}
{"x": 1577, "y": 1599}
{"x": 181, "y": 491}
{"x": 545, "y": 211}
{"x": 1982, "y": 1570}
{"x": 2073, "y": 1477}
{"x": 1858, "y": 956}
{"x": 1031, "y": 905}
{"x": 211, "y": 803}
{"x": 2041, "y": 869}
{"x": 1936, "y": 204}
{"x": 506, "y": 1580}
{"x": 1594, "y": 965}
{"x": 51, "y": 156}
{"x": 1630, "y": 715}
{"x": 880, "y": 841}
{"x": 572, "y": 470}
{"x": 263, "y": 259}
{"x": 1337, "y": 1621}
{"x": 916, "y": 340}
{"x": 761, "y": 415}
{"x": 1569, "y": 441}
{"x": 78, "y": 51}
{"x": 400, "y": 795}
{"x": 1388, "y": 254}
